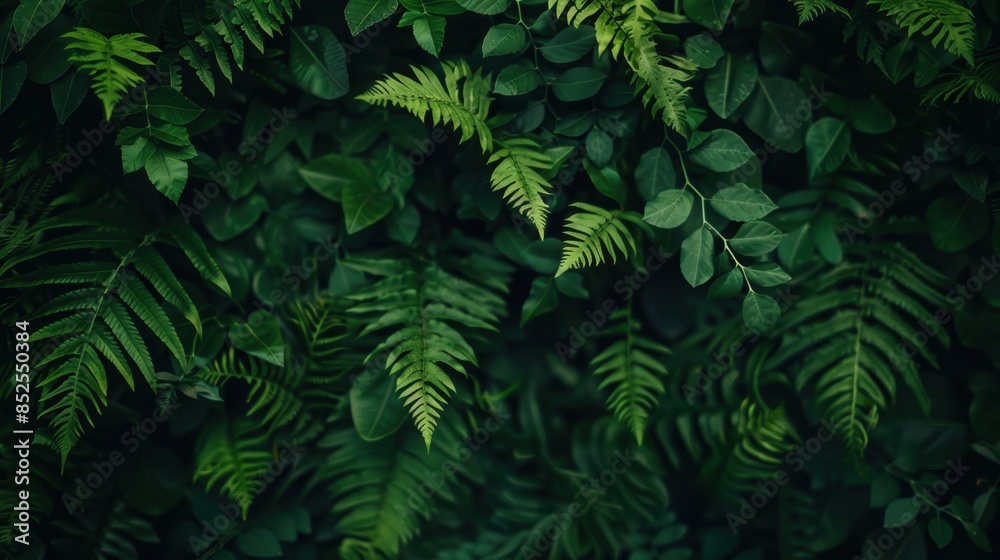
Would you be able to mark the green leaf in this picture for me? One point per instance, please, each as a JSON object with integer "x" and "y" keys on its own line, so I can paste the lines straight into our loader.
{"x": 827, "y": 143}
{"x": 899, "y": 509}
{"x": 756, "y": 238}
{"x": 30, "y": 17}
{"x": 104, "y": 58}
{"x": 709, "y": 13}
{"x": 541, "y": 299}
{"x": 703, "y": 51}
{"x": 654, "y": 173}
{"x": 168, "y": 174}
{"x": 376, "y": 410}
{"x": 783, "y": 48}
{"x": 364, "y": 206}
{"x": 697, "y": 264}
{"x": 730, "y": 84}
{"x": 760, "y": 312}
{"x": 669, "y": 208}
{"x": 517, "y": 79}
{"x": 884, "y": 489}
{"x": 569, "y": 45}
{"x": 136, "y": 155}
{"x": 504, "y": 38}
{"x": 940, "y": 531}
{"x": 723, "y": 151}
{"x": 973, "y": 181}
{"x": 485, "y": 7}
{"x": 331, "y": 174}
{"x": 67, "y": 94}
{"x": 225, "y": 219}
{"x": 11, "y": 78}
{"x": 317, "y": 62}
{"x": 259, "y": 543}
{"x": 403, "y": 225}
{"x": 607, "y": 181}
{"x": 727, "y": 285}
{"x": 428, "y": 31}
{"x": 170, "y": 105}
{"x": 779, "y": 112}
{"x": 600, "y": 146}
{"x": 576, "y": 84}
{"x": 956, "y": 222}
{"x": 766, "y": 275}
{"x": 260, "y": 336}
{"x": 741, "y": 203}
{"x": 827, "y": 243}
{"x": 978, "y": 537}
{"x": 362, "y": 14}
{"x": 871, "y": 117}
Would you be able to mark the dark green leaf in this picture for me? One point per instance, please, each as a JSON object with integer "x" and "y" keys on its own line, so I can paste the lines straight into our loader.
{"x": 669, "y": 208}
{"x": 697, "y": 265}
{"x": 317, "y": 61}
{"x": 578, "y": 83}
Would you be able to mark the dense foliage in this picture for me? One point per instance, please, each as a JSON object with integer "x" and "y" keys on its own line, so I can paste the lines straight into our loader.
{"x": 473, "y": 279}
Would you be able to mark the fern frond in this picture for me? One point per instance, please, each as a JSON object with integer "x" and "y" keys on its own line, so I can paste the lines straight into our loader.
{"x": 949, "y": 24}
{"x": 855, "y": 333}
{"x": 982, "y": 81}
{"x": 426, "y": 311}
{"x": 810, "y": 9}
{"x": 94, "y": 324}
{"x": 632, "y": 365}
{"x": 464, "y": 106}
{"x": 27, "y": 179}
{"x": 593, "y": 232}
{"x": 104, "y": 59}
{"x": 273, "y": 389}
{"x": 233, "y": 454}
{"x": 629, "y": 30}
{"x": 765, "y": 436}
{"x": 323, "y": 331}
{"x": 372, "y": 483}
{"x": 109, "y": 531}
{"x": 519, "y": 177}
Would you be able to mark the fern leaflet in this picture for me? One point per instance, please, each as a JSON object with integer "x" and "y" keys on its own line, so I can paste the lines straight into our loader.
{"x": 855, "y": 332}
{"x": 426, "y": 309}
{"x": 464, "y": 106}
{"x": 594, "y": 231}
{"x": 811, "y": 9}
{"x": 519, "y": 177}
{"x": 629, "y": 29}
{"x": 104, "y": 59}
{"x": 632, "y": 365}
{"x": 949, "y": 24}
